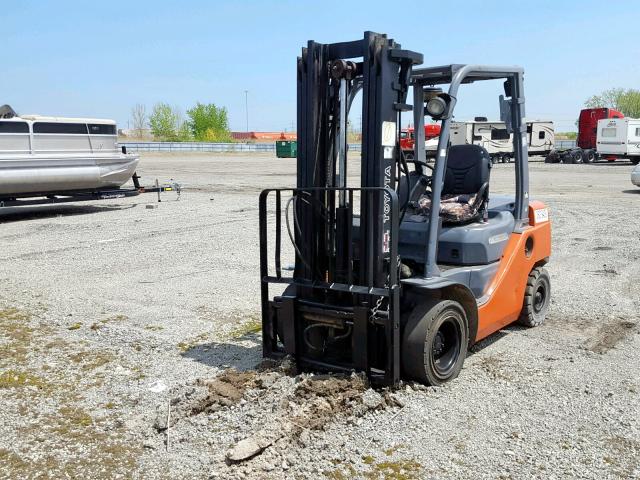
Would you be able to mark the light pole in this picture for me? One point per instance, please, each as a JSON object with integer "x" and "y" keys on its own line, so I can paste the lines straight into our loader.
{"x": 246, "y": 107}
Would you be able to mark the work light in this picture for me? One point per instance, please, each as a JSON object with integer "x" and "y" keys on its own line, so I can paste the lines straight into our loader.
{"x": 436, "y": 106}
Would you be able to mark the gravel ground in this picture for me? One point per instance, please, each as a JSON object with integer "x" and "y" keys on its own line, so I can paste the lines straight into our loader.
{"x": 119, "y": 315}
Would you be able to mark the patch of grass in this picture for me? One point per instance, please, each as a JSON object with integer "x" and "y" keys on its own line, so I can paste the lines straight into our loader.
{"x": 19, "y": 379}
{"x": 393, "y": 449}
{"x": 71, "y": 444}
{"x": 91, "y": 359}
{"x": 75, "y": 449}
{"x": 401, "y": 470}
{"x": 14, "y": 315}
{"x": 12, "y": 461}
{"x": 254, "y": 325}
{"x": 620, "y": 455}
{"x": 75, "y": 416}
{"x": 75, "y": 326}
{"x": 186, "y": 346}
{"x": 154, "y": 328}
{"x": 112, "y": 319}
{"x": 15, "y": 327}
{"x": 346, "y": 472}
{"x": 138, "y": 373}
{"x": 13, "y": 324}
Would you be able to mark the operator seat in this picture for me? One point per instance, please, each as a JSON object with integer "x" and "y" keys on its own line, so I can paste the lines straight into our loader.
{"x": 465, "y": 193}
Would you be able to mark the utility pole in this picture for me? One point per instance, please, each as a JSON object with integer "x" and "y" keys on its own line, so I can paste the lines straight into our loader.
{"x": 246, "y": 107}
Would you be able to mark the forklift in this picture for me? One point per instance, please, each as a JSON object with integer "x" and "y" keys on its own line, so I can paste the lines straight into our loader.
{"x": 398, "y": 271}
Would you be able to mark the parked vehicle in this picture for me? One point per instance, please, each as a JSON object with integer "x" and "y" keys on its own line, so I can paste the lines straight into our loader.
{"x": 493, "y": 137}
{"x": 402, "y": 281}
{"x": 619, "y": 137}
{"x": 40, "y": 155}
{"x": 635, "y": 176}
{"x": 585, "y": 150}
{"x": 407, "y": 140}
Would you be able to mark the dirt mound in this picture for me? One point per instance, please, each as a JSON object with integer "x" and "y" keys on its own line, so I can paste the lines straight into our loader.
{"x": 223, "y": 391}
{"x": 611, "y": 334}
{"x": 287, "y": 406}
{"x": 319, "y": 399}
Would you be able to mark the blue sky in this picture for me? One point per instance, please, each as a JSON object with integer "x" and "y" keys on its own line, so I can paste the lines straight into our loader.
{"x": 100, "y": 58}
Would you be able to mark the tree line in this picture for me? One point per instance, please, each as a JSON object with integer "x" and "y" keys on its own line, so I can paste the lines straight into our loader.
{"x": 204, "y": 122}
{"x": 626, "y": 101}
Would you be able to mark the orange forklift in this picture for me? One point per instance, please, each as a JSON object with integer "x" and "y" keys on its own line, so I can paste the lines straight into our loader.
{"x": 400, "y": 269}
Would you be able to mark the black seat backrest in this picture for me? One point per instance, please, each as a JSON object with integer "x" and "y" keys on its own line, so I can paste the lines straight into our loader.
{"x": 405, "y": 187}
{"x": 468, "y": 169}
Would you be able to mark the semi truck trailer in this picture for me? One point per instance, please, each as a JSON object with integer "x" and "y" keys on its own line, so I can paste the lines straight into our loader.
{"x": 619, "y": 137}
{"x": 585, "y": 150}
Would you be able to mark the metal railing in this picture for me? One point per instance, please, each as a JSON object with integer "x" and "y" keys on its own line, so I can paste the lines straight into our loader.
{"x": 206, "y": 147}
{"x": 564, "y": 144}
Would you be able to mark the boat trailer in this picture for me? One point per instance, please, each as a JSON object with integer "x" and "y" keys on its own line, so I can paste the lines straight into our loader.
{"x": 45, "y": 198}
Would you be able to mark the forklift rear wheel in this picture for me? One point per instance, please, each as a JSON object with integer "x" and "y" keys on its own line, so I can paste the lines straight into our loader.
{"x": 537, "y": 296}
{"x": 435, "y": 342}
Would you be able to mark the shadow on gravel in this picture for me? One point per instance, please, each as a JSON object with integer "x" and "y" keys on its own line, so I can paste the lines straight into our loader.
{"x": 243, "y": 357}
{"x": 226, "y": 355}
{"x": 611, "y": 164}
{"x": 491, "y": 339}
{"x": 17, "y": 214}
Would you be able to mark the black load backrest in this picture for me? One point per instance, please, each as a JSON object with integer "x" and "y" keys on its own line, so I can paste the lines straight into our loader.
{"x": 468, "y": 168}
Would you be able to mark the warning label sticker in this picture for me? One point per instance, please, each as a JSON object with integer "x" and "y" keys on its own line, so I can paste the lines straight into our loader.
{"x": 388, "y": 134}
{"x": 541, "y": 215}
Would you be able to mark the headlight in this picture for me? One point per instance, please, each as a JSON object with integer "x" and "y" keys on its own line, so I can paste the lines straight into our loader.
{"x": 436, "y": 106}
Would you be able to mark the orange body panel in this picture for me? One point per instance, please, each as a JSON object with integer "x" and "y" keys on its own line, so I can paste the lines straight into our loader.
{"x": 506, "y": 291}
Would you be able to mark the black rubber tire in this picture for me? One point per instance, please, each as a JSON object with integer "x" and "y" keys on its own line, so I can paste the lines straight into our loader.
{"x": 537, "y": 297}
{"x": 635, "y": 161}
{"x": 588, "y": 156}
{"x": 435, "y": 325}
{"x": 572, "y": 157}
{"x": 577, "y": 156}
{"x": 504, "y": 158}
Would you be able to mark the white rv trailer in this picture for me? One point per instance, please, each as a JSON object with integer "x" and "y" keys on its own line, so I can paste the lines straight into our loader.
{"x": 619, "y": 137}
{"x": 43, "y": 155}
{"x": 493, "y": 136}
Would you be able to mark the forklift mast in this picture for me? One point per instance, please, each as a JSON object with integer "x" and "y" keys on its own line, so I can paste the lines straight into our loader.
{"x": 340, "y": 310}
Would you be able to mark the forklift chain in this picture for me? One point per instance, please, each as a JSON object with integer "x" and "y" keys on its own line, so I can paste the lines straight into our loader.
{"x": 376, "y": 308}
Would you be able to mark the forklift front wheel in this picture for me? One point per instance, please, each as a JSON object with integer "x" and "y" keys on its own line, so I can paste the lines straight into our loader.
{"x": 434, "y": 343}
